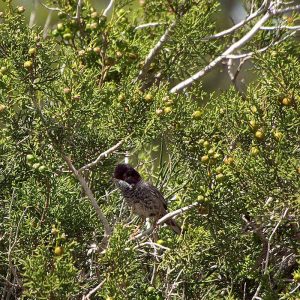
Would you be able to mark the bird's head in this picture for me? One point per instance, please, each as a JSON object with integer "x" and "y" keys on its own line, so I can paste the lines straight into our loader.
{"x": 127, "y": 173}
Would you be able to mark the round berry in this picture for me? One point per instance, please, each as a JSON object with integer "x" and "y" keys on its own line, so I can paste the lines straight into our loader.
{"x": 58, "y": 251}
{"x": 28, "y": 64}
{"x": 197, "y": 114}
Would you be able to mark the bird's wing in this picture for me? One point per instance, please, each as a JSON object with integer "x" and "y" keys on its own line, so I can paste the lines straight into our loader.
{"x": 156, "y": 194}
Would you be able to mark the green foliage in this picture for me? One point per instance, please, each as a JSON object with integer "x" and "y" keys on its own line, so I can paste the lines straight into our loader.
{"x": 75, "y": 94}
{"x": 49, "y": 275}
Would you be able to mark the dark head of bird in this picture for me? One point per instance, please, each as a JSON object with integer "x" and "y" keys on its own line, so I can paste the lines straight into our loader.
{"x": 127, "y": 173}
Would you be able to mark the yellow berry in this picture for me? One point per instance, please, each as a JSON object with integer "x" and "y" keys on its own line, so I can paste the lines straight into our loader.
{"x": 161, "y": 242}
{"x": 204, "y": 158}
{"x": 254, "y": 151}
{"x": 253, "y": 109}
{"x": 121, "y": 97}
{"x": 219, "y": 170}
{"x": 229, "y": 160}
{"x": 167, "y": 110}
{"x": 253, "y": 125}
{"x": 28, "y": 64}
{"x": 259, "y": 134}
{"x": 220, "y": 177}
{"x": 211, "y": 152}
{"x": 3, "y": 70}
{"x": 32, "y": 51}
{"x": 148, "y": 97}
{"x": 278, "y": 135}
{"x": 2, "y": 108}
{"x": 94, "y": 15}
{"x": 94, "y": 26}
{"x": 60, "y": 27}
{"x": 206, "y": 144}
{"x": 296, "y": 276}
{"x": 67, "y": 36}
{"x": 197, "y": 114}
{"x": 286, "y": 101}
{"x": 58, "y": 251}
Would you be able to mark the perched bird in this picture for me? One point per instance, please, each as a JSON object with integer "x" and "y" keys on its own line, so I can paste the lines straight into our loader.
{"x": 144, "y": 199}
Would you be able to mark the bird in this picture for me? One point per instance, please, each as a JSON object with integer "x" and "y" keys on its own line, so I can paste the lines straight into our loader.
{"x": 144, "y": 199}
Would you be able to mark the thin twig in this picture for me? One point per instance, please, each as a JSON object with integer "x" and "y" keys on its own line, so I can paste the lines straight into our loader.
{"x": 280, "y": 27}
{"x": 12, "y": 268}
{"x": 295, "y": 289}
{"x": 288, "y": 9}
{"x": 89, "y": 193}
{"x": 250, "y": 54}
{"x": 232, "y": 29}
{"x": 154, "y": 24}
{"x": 50, "y": 8}
{"x": 256, "y": 292}
{"x": 272, "y": 11}
{"x": 94, "y": 290}
{"x": 255, "y": 296}
{"x": 174, "y": 284}
{"x": 165, "y": 218}
{"x": 234, "y": 74}
{"x": 107, "y": 9}
{"x": 270, "y": 238}
{"x": 155, "y": 50}
{"x": 33, "y": 14}
{"x": 177, "y": 212}
{"x": 78, "y": 10}
{"x": 102, "y": 156}
{"x": 47, "y": 24}
{"x": 186, "y": 83}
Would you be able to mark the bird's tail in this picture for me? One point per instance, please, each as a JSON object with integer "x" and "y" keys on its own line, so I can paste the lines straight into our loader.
{"x": 175, "y": 227}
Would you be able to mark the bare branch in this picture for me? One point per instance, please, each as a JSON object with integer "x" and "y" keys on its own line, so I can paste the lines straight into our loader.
{"x": 295, "y": 289}
{"x": 94, "y": 290}
{"x": 107, "y": 9}
{"x": 234, "y": 74}
{"x": 155, "y": 50}
{"x": 152, "y": 244}
{"x": 177, "y": 212}
{"x": 255, "y": 296}
{"x": 288, "y": 9}
{"x": 78, "y": 9}
{"x": 12, "y": 244}
{"x": 270, "y": 238}
{"x": 148, "y": 25}
{"x": 271, "y": 11}
{"x": 165, "y": 218}
{"x": 280, "y": 27}
{"x": 50, "y": 8}
{"x": 236, "y": 26}
{"x": 89, "y": 193}
{"x": 32, "y": 18}
{"x": 188, "y": 82}
{"x": 174, "y": 284}
{"x": 101, "y": 156}
{"x": 249, "y": 54}
{"x": 47, "y": 24}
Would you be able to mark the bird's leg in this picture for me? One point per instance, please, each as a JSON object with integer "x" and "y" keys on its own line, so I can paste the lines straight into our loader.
{"x": 155, "y": 230}
{"x": 137, "y": 229}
